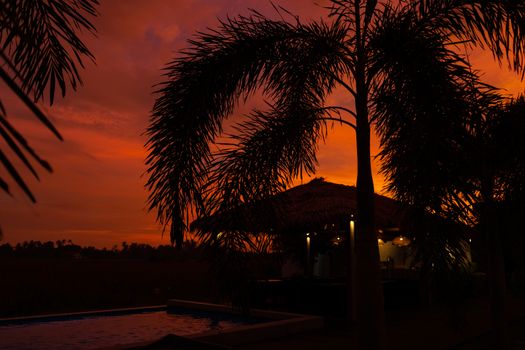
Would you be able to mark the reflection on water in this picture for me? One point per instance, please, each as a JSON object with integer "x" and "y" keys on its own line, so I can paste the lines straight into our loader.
{"x": 95, "y": 332}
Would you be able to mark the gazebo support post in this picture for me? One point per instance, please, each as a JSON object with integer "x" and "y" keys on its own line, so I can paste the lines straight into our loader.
{"x": 351, "y": 315}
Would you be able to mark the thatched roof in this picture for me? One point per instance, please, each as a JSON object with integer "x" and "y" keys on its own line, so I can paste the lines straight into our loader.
{"x": 305, "y": 207}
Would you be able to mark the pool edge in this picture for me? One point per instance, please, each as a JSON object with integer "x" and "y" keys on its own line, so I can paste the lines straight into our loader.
{"x": 281, "y": 324}
{"x": 44, "y": 317}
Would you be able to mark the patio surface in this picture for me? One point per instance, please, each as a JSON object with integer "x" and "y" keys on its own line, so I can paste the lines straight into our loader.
{"x": 465, "y": 329}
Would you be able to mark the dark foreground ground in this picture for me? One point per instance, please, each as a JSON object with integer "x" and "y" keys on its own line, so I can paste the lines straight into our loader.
{"x": 431, "y": 328}
{"x": 39, "y": 286}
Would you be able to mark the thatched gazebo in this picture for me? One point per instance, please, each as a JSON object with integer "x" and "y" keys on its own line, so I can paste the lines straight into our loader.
{"x": 307, "y": 208}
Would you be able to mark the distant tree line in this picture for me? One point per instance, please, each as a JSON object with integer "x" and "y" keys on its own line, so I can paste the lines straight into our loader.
{"x": 69, "y": 250}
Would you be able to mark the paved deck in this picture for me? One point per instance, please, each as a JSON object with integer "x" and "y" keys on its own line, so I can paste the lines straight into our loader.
{"x": 436, "y": 329}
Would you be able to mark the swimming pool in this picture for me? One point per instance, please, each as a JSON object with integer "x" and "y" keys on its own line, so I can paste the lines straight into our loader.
{"x": 104, "y": 329}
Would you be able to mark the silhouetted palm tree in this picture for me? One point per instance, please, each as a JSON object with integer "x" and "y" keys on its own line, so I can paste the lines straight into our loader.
{"x": 40, "y": 53}
{"x": 367, "y": 48}
{"x": 469, "y": 172}
{"x": 497, "y": 181}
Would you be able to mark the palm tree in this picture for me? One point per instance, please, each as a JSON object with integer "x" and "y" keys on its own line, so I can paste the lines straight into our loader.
{"x": 40, "y": 53}
{"x": 496, "y": 187}
{"x": 366, "y": 48}
{"x": 480, "y": 183}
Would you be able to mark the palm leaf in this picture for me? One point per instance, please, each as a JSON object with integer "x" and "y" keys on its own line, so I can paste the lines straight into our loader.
{"x": 41, "y": 39}
{"x": 40, "y": 49}
{"x": 496, "y": 24}
{"x": 29, "y": 103}
{"x": 18, "y": 138}
{"x": 426, "y": 106}
{"x": 18, "y": 152}
{"x": 204, "y": 85}
{"x": 250, "y": 170}
{"x": 427, "y": 90}
{"x": 16, "y": 176}
{"x": 4, "y": 186}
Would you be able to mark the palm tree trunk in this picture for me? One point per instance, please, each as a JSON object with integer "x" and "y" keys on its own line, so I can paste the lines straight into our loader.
{"x": 369, "y": 294}
{"x": 496, "y": 274}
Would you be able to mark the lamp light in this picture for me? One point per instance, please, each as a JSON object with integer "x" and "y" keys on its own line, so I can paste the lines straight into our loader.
{"x": 401, "y": 241}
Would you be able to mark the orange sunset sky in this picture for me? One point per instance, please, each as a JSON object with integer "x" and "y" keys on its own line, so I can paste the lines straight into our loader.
{"x": 95, "y": 195}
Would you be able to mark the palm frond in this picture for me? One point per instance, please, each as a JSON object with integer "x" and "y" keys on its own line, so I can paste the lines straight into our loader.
{"x": 19, "y": 141}
{"x": 39, "y": 49}
{"x": 263, "y": 162}
{"x": 40, "y": 43}
{"x": 19, "y": 146}
{"x": 11, "y": 83}
{"x": 4, "y": 186}
{"x": 427, "y": 104}
{"x": 498, "y": 25}
{"x": 426, "y": 91}
{"x": 504, "y": 132}
{"x": 206, "y": 82}
{"x": 15, "y": 176}
{"x": 430, "y": 231}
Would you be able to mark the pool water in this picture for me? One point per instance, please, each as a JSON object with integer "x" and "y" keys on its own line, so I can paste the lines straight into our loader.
{"x": 98, "y": 331}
